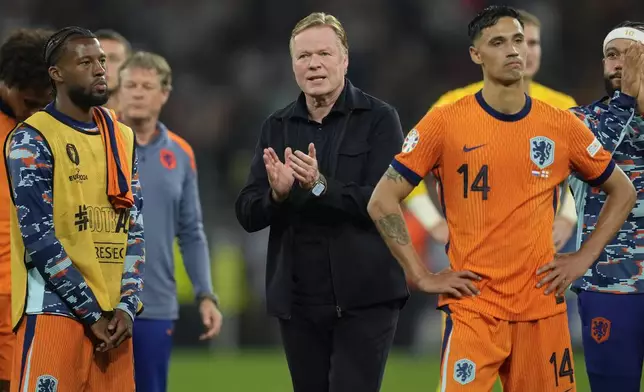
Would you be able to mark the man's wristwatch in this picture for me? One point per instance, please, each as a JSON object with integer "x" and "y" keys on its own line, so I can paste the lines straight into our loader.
{"x": 319, "y": 187}
{"x": 209, "y": 296}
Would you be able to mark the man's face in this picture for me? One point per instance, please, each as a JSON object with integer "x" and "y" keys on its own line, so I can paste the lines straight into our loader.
{"x": 81, "y": 73}
{"x": 613, "y": 62}
{"x": 116, "y": 54}
{"x": 501, "y": 50}
{"x": 26, "y": 102}
{"x": 533, "y": 40}
{"x": 141, "y": 95}
{"x": 319, "y": 61}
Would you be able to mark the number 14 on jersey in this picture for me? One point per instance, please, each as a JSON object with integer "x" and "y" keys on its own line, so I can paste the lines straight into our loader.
{"x": 479, "y": 184}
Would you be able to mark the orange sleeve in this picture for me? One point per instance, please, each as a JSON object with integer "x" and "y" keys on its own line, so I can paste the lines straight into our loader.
{"x": 185, "y": 147}
{"x": 587, "y": 156}
{"x": 422, "y": 148}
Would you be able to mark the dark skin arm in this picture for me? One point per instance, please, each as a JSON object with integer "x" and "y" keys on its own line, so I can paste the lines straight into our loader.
{"x": 118, "y": 328}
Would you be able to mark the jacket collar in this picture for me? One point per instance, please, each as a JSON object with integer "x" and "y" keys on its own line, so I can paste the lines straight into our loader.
{"x": 350, "y": 99}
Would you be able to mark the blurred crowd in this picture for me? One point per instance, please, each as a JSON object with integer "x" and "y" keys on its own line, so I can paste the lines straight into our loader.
{"x": 232, "y": 68}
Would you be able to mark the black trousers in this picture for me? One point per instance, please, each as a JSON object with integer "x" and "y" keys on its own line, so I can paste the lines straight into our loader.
{"x": 327, "y": 353}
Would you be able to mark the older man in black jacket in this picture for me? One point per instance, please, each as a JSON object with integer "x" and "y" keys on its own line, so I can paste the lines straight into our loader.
{"x": 330, "y": 280}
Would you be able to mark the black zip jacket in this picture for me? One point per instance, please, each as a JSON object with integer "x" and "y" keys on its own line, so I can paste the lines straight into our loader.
{"x": 364, "y": 134}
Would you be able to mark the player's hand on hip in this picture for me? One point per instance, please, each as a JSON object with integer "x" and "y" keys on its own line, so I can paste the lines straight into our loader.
{"x": 632, "y": 70}
{"x": 454, "y": 283}
{"x": 211, "y": 318}
{"x": 305, "y": 167}
{"x": 562, "y": 271}
{"x": 562, "y": 230}
{"x": 99, "y": 329}
{"x": 280, "y": 175}
{"x": 120, "y": 327}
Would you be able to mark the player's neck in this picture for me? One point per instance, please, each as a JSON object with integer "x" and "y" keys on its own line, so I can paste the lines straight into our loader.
{"x": 65, "y": 105}
{"x": 526, "y": 85}
{"x": 505, "y": 99}
{"x": 144, "y": 130}
{"x": 320, "y": 106}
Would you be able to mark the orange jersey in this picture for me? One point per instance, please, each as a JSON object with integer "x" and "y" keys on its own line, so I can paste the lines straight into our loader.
{"x": 497, "y": 172}
{"x": 7, "y": 123}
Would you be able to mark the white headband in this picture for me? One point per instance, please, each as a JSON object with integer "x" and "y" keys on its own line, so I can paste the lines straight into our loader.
{"x": 624, "y": 33}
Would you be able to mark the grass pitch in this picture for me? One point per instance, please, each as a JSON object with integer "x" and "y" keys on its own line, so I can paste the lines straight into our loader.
{"x": 266, "y": 371}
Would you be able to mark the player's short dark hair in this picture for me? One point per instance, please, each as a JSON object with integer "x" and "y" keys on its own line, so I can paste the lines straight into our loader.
{"x": 489, "y": 17}
{"x": 631, "y": 24}
{"x": 110, "y": 34}
{"x": 21, "y": 62}
{"x": 56, "y": 44}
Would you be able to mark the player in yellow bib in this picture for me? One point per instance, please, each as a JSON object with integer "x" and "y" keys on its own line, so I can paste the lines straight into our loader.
{"x": 77, "y": 244}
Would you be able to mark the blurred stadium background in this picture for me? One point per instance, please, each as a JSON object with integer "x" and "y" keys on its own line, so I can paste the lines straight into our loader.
{"x": 232, "y": 69}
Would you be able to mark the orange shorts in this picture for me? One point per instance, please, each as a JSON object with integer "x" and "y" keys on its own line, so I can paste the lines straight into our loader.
{"x": 531, "y": 356}
{"x": 7, "y": 338}
{"x": 54, "y": 353}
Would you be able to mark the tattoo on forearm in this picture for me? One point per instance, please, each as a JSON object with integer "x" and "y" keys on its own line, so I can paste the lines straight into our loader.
{"x": 393, "y": 226}
{"x": 393, "y": 175}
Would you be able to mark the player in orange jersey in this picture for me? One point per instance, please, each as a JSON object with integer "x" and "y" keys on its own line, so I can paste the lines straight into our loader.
{"x": 503, "y": 320}
{"x": 419, "y": 202}
{"x": 24, "y": 89}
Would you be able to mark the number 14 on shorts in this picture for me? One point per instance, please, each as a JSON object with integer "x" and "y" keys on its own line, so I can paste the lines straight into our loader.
{"x": 562, "y": 368}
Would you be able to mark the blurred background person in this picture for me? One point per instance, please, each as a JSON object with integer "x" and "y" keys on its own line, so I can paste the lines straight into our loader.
{"x": 331, "y": 282}
{"x": 117, "y": 49}
{"x": 24, "y": 89}
{"x": 168, "y": 175}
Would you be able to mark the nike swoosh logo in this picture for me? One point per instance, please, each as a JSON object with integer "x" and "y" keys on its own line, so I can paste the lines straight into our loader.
{"x": 568, "y": 390}
{"x": 468, "y": 149}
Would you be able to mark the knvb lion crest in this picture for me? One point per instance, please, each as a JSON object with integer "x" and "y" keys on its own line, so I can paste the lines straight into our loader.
{"x": 600, "y": 329}
{"x": 464, "y": 371}
{"x": 168, "y": 160}
{"x": 542, "y": 151}
{"x": 46, "y": 383}
{"x": 72, "y": 153}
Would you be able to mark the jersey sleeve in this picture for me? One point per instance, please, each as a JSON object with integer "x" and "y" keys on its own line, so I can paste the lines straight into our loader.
{"x": 587, "y": 156}
{"x": 422, "y": 148}
{"x": 134, "y": 265}
{"x": 609, "y": 123}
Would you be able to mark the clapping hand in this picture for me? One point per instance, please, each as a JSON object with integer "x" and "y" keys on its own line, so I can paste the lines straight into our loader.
{"x": 280, "y": 175}
{"x": 305, "y": 167}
